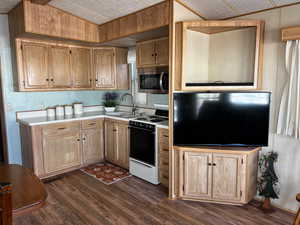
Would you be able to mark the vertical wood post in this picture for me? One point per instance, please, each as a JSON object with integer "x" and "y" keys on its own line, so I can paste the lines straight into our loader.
{"x": 5, "y": 204}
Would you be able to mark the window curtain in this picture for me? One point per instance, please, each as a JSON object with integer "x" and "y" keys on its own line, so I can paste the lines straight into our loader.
{"x": 289, "y": 112}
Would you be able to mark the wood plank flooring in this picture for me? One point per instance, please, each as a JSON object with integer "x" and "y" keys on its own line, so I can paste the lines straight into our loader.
{"x": 78, "y": 199}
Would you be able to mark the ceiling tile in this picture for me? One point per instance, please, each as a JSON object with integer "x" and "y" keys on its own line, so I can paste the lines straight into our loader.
{"x": 211, "y": 9}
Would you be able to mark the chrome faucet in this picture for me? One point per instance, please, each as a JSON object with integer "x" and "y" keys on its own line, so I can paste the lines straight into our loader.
{"x": 134, "y": 108}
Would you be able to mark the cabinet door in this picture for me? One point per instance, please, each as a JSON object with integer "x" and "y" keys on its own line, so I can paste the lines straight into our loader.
{"x": 61, "y": 151}
{"x": 226, "y": 177}
{"x": 162, "y": 51}
{"x": 59, "y": 67}
{"x": 35, "y": 65}
{"x": 81, "y": 67}
{"x": 122, "y": 145}
{"x": 110, "y": 130}
{"x": 197, "y": 175}
{"x": 93, "y": 146}
{"x": 104, "y": 68}
{"x": 146, "y": 53}
{"x": 123, "y": 79}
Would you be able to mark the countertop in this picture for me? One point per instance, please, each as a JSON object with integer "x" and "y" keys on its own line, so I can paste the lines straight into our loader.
{"x": 34, "y": 121}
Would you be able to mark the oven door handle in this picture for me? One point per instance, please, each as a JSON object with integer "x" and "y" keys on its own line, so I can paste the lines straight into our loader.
{"x": 152, "y": 132}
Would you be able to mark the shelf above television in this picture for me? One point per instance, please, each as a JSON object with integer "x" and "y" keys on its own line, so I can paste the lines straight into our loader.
{"x": 227, "y": 51}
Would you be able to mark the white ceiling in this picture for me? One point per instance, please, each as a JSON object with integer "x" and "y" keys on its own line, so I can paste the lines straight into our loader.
{"x": 101, "y": 11}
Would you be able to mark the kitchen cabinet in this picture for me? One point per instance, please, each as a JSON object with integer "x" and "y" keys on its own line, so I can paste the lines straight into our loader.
{"x": 117, "y": 142}
{"x": 104, "y": 67}
{"x": 59, "y": 67}
{"x": 28, "y": 18}
{"x": 163, "y": 146}
{"x": 53, "y": 66}
{"x": 222, "y": 176}
{"x": 153, "y": 52}
{"x": 153, "y": 17}
{"x": 92, "y": 141}
{"x": 81, "y": 67}
{"x": 61, "y": 149}
{"x": 53, "y": 149}
{"x": 35, "y": 66}
{"x": 147, "y": 19}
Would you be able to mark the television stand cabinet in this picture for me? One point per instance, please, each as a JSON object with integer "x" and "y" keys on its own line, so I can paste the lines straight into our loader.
{"x": 225, "y": 175}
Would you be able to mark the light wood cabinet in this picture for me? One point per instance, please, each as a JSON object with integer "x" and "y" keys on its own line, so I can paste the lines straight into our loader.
{"x": 61, "y": 150}
{"x": 57, "y": 148}
{"x": 34, "y": 65}
{"x": 92, "y": 141}
{"x": 104, "y": 67}
{"x": 52, "y": 66}
{"x": 163, "y": 146}
{"x": 222, "y": 176}
{"x": 59, "y": 67}
{"x": 28, "y": 18}
{"x": 153, "y": 52}
{"x": 81, "y": 67}
{"x": 117, "y": 142}
{"x": 147, "y": 19}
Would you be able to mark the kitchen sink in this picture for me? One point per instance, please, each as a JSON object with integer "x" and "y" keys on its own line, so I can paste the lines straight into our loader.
{"x": 121, "y": 114}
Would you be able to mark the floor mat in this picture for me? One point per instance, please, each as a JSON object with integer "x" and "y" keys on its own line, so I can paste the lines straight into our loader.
{"x": 106, "y": 172}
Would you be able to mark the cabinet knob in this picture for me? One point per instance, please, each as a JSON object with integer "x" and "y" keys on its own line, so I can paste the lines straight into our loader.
{"x": 209, "y": 164}
{"x": 47, "y": 79}
{"x": 52, "y": 79}
{"x": 114, "y": 130}
{"x": 78, "y": 139}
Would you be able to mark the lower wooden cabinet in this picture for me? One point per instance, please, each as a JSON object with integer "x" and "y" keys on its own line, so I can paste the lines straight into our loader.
{"x": 225, "y": 177}
{"x": 163, "y": 146}
{"x": 93, "y": 143}
{"x": 117, "y": 142}
{"x": 61, "y": 147}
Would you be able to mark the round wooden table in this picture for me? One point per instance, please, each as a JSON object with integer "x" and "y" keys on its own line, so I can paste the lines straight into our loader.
{"x": 28, "y": 192}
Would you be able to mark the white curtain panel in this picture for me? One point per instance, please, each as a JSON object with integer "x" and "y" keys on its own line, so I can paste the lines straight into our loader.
{"x": 288, "y": 120}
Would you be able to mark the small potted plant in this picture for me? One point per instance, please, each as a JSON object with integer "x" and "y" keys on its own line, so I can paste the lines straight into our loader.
{"x": 110, "y": 101}
{"x": 268, "y": 180}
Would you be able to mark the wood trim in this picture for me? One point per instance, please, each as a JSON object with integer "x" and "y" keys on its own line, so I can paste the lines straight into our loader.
{"x": 259, "y": 11}
{"x": 190, "y": 9}
{"x": 41, "y": 2}
{"x": 290, "y": 33}
{"x": 226, "y": 150}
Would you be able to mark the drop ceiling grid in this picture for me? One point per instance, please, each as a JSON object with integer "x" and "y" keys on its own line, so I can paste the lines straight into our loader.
{"x": 101, "y": 11}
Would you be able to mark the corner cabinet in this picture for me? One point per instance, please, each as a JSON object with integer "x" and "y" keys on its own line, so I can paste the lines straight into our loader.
{"x": 52, "y": 66}
{"x": 222, "y": 176}
{"x": 117, "y": 142}
{"x": 153, "y": 52}
{"x": 53, "y": 149}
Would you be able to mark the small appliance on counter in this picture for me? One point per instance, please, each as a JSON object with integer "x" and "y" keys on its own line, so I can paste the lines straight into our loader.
{"x": 68, "y": 110}
{"x": 78, "y": 108}
{"x": 51, "y": 112}
{"x": 143, "y": 161}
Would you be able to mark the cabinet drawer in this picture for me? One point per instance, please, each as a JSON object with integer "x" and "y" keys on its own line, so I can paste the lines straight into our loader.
{"x": 55, "y": 129}
{"x": 91, "y": 124}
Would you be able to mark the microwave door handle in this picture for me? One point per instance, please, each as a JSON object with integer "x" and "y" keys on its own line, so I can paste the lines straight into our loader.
{"x": 161, "y": 81}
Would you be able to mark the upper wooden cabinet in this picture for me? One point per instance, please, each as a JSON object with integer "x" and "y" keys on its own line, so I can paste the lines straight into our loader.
{"x": 153, "y": 52}
{"x": 59, "y": 67}
{"x": 52, "y": 66}
{"x": 153, "y": 17}
{"x": 81, "y": 67}
{"x": 218, "y": 55}
{"x": 34, "y": 68}
{"x": 111, "y": 68}
{"x": 105, "y": 68}
{"x": 29, "y": 18}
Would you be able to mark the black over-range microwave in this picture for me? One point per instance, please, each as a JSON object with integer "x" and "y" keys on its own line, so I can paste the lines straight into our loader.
{"x": 154, "y": 82}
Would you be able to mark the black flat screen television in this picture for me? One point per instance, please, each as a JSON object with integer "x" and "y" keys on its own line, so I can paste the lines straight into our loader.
{"x": 221, "y": 118}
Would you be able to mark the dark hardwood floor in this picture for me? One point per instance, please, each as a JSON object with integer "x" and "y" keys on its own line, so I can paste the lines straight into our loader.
{"x": 78, "y": 199}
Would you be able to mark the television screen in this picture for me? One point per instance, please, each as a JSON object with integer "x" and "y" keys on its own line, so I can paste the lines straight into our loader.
{"x": 221, "y": 118}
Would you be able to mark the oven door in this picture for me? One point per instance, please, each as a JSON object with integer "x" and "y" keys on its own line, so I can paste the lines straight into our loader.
{"x": 142, "y": 145}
